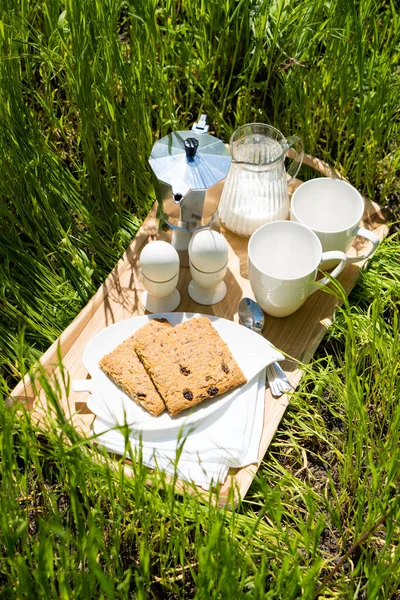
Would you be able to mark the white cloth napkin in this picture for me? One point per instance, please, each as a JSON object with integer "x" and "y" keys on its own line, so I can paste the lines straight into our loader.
{"x": 228, "y": 438}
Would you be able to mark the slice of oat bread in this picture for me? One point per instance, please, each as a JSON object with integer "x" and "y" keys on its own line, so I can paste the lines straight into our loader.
{"x": 188, "y": 363}
{"x": 123, "y": 366}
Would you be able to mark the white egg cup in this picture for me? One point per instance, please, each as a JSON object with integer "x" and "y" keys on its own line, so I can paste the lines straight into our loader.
{"x": 207, "y": 288}
{"x": 160, "y": 296}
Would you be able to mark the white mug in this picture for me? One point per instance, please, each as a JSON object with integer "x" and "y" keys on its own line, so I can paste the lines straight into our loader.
{"x": 283, "y": 263}
{"x": 333, "y": 209}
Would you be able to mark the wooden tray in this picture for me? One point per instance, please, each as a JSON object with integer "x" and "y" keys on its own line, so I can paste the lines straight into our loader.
{"x": 119, "y": 298}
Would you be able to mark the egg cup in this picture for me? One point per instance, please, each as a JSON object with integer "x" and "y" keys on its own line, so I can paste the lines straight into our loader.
{"x": 207, "y": 288}
{"x": 160, "y": 296}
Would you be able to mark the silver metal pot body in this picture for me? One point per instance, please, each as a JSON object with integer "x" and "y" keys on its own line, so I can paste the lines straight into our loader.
{"x": 199, "y": 209}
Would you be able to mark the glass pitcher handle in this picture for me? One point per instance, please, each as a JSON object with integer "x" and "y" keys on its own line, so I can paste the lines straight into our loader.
{"x": 295, "y": 151}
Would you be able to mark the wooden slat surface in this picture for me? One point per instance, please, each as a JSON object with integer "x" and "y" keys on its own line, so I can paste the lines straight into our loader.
{"x": 118, "y": 298}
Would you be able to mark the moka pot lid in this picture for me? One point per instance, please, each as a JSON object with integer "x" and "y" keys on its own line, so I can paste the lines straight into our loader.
{"x": 187, "y": 161}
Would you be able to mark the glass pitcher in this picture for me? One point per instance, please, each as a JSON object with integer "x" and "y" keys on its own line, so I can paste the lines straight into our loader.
{"x": 256, "y": 189}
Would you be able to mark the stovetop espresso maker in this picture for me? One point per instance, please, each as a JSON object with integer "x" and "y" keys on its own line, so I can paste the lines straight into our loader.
{"x": 189, "y": 169}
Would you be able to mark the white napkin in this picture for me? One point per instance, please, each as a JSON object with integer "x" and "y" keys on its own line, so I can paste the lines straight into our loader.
{"x": 227, "y": 438}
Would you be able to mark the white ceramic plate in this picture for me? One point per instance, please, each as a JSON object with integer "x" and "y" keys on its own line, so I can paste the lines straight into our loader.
{"x": 251, "y": 351}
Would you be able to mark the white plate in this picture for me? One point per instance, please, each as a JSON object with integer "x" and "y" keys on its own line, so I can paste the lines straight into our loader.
{"x": 251, "y": 351}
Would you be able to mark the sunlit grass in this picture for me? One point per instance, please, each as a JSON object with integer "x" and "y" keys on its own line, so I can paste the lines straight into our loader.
{"x": 85, "y": 89}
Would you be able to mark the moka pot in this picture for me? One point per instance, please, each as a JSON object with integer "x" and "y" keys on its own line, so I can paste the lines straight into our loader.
{"x": 189, "y": 169}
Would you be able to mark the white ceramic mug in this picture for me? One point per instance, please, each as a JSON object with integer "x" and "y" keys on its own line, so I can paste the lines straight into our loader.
{"x": 283, "y": 263}
{"x": 333, "y": 209}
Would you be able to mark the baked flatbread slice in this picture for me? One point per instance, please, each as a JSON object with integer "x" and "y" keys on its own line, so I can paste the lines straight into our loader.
{"x": 188, "y": 363}
{"x": 124, "y": 368}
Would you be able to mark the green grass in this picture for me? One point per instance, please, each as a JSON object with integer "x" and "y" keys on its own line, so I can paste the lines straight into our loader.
{"x": 85, "y": 89}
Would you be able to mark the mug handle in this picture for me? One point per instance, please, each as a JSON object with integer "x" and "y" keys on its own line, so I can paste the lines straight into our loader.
{"x": 332, "y": 255}
{"x": 372, "y": 237}
{"x": 295, "y": 150}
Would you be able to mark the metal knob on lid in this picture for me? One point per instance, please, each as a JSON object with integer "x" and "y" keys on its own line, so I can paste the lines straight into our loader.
{"x": 191, "y": 145}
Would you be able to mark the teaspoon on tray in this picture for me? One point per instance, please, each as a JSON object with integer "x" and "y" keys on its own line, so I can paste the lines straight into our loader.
{"x": 252, "y": 317}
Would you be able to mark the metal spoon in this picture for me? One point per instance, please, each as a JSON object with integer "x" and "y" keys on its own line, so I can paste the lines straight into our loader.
{"x": 252, "y": 317}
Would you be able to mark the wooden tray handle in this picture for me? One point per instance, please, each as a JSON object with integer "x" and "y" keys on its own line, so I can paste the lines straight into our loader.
{"x": 322, "y": 167}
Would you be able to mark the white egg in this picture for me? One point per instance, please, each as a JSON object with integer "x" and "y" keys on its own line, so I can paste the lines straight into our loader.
{"x": 208, "y": 251}
{"x": 159, "y": 261}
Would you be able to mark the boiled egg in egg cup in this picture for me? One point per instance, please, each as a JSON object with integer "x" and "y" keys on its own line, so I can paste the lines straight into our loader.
{"x": 208, "y": 261}
{"x": 159, "y": 267}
